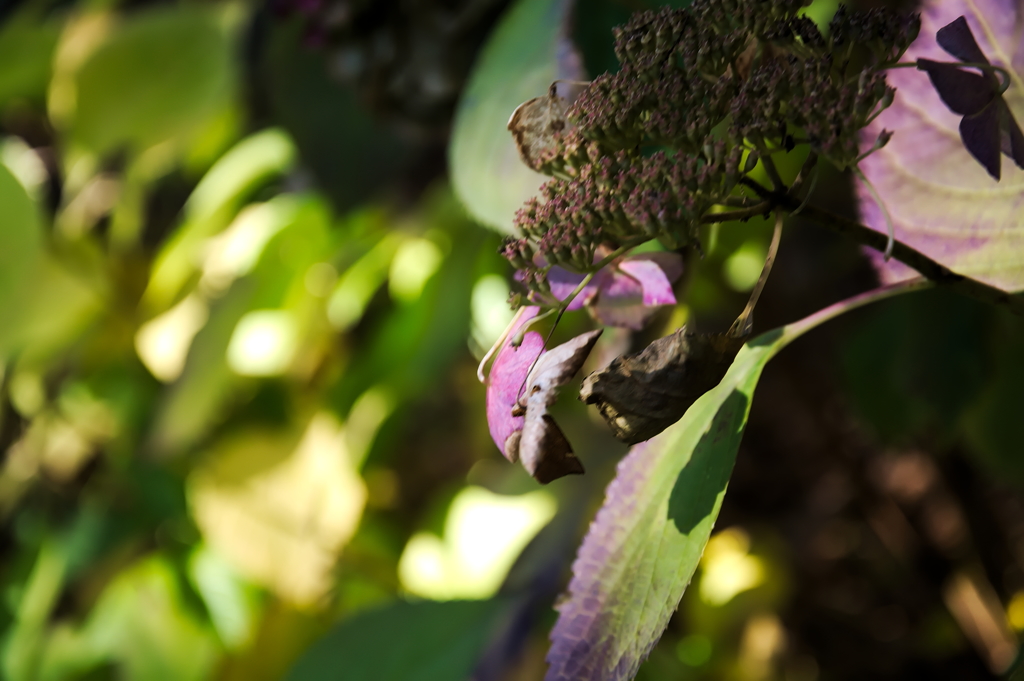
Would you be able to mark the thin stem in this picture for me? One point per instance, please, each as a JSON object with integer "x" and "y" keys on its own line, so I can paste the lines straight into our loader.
{"x": 480, "y": 375}
{"x": 807, "y": 196}
{"x": 890, "y": 230}
{"x": 565, "y": 302}
{"x": 759, "y": 189}
{"x": 769, "y": 166}
{"x": 936, "y": 272}
{"x": 745, "y": 321}
{"x": 810, "y": 163}
{"x": 800, "y": 327}
{"x": 730, "y": 215}
{"x": 736, "y": 202}
{"x": 1004, "y": 75}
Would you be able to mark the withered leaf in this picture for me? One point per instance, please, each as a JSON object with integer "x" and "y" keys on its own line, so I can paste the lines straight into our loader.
{"x": 643, "y": 394}
{"x": 535, "y": 123}
{"x": 542, "y": 447}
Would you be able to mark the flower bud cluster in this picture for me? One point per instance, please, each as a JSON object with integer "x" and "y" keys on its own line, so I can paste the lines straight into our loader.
{"x": 630, "y": 108}
{"x": 619, "y": 199}
{"x": 878, "y": 36}
{"x": 704, "y": 84}
{"x": 789, "y": 92}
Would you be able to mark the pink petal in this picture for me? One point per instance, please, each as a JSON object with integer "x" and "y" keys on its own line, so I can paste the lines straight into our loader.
{"x": 563, "y": 283}
{"x": 631, "y": 291}
{"x": 653, "y": 279}
{"x": 625, "y": 316}
{"x": 506, "y": 379}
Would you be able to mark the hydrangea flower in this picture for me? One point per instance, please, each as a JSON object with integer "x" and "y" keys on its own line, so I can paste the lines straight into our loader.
{"x": 523, "y": 385}
{"x": 525, "y": 378}
{"x": 626, "y": 292}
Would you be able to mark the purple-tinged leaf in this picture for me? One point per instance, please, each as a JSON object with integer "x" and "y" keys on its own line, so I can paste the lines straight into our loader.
{"x": 980, "y": 134}
{"x": 987, "y": 119}
{"x": 964, "y": 92}
{"x": 644, "y": 545}
{"x": 542, "y": 447}
{"x": 632, "y": 291}
{"x": 957, "y": 39}
{"x": 943, "y": 203}
{"x": 505, "y": 383}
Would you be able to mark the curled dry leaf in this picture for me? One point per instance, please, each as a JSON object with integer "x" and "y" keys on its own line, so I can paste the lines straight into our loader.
{"x": 505, "y": 382}
{"x": 643, "y": 394}
{"x": 541, "y": 446}
{"x": 535, "y": 123}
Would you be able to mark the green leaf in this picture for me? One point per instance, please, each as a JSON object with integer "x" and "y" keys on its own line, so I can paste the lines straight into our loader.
{"x": 424, "y": 641}
{"x": 527, "y": 52}
{"x": 203, "y": 394}
{"x": 20, "y": 239}
{"x": 159, "y": 76}
{"x": 644, "y": 546}
{"x": 44, "y": 303}
{"x": 915, "y": 364}
{"x": 26, "y": 51}
{"x": 143, "y": 623}
{"x": 213, "y": 203}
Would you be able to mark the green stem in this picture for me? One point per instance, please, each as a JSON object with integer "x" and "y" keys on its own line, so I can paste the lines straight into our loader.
{"x": 889, "y": 229}
{"x": 745, "y": 321}
{"x": 769, "y": 165}
{"x": 730, "y": 215}
{"x": 1004, "y": 75}
{"x": 800, "y": 327}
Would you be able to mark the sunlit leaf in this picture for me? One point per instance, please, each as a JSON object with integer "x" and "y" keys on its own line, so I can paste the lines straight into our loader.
{"x": 942, "y": 201}
{"x": 211, "y": 206}
{"x": 45, "y": 304}
{"x": 280, "y": 507}
{"x": 528, "y": 50}
{"x": 20, "y": 238}
{"x": 424, "y": 641}
{"x": 201, "y": 396}
{"x": 142, "y": 625}
{"x": 158, "y": 76}
{"x": 645, "y": 543}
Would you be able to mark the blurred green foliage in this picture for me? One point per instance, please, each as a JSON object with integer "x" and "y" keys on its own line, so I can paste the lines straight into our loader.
{"x": 241, "y": 317}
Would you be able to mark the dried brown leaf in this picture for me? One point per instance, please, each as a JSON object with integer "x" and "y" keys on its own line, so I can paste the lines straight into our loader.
{"x": 542, "y": 447}
{"x": 643, "y": 394}
{"x": 535, "y": 123}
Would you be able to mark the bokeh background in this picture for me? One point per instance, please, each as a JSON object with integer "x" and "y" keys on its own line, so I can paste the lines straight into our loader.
{"x": 241, "y": 435}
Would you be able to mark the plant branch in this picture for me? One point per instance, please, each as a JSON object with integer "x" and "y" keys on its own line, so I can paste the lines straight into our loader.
{"x": 730, "y": 215}
{"x": 932, "y": 270}
{"x": 936, "y": 272}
